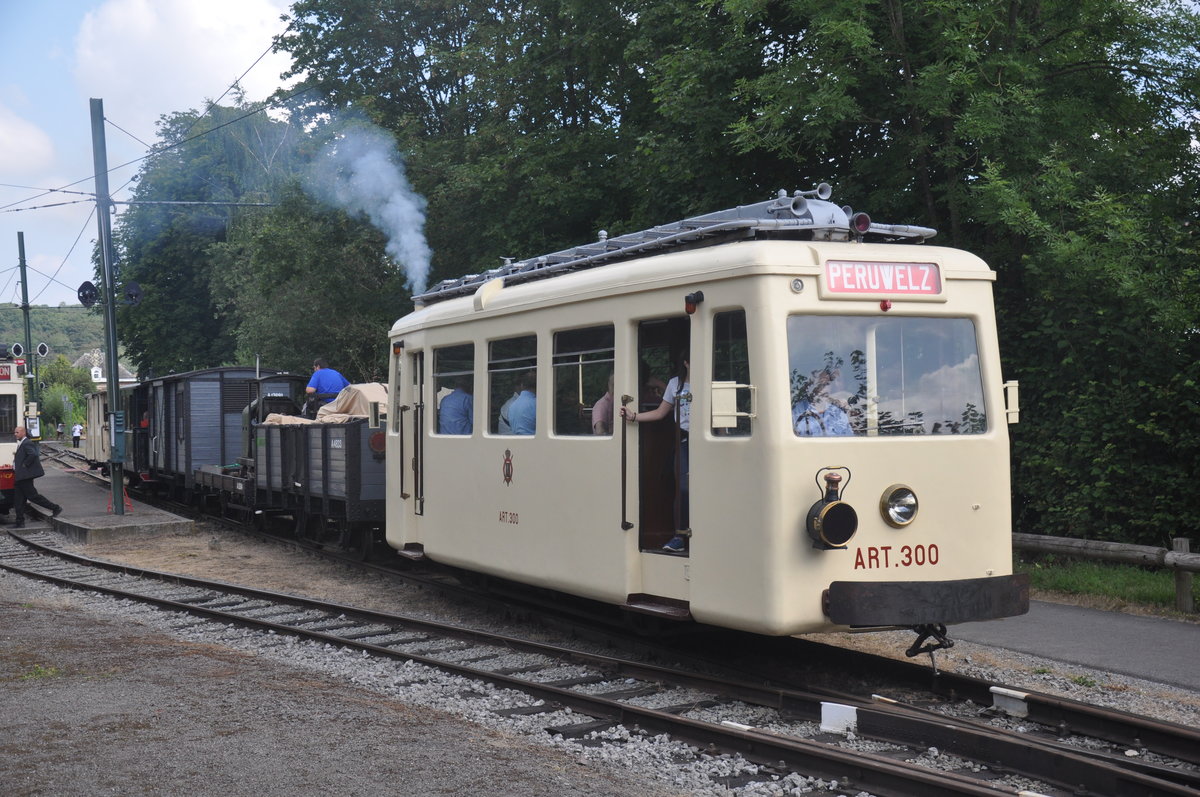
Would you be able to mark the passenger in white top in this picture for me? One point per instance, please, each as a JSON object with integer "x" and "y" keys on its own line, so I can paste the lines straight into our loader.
{"x": 683, "y": 393}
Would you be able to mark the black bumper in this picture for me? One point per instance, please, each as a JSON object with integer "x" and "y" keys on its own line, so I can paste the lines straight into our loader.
{"x": 905, "y": 603}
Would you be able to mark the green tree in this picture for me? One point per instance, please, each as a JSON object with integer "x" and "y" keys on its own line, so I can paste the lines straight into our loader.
{"x": 1057, "y": 140}
{"x": 61, "y": 404}
{"x": 1107, "y": 342}
{"x": 68, "y": 330}
{"x": 304, "y": 281}
{"x": 65, "y": 396}
{"x": 228, "y": 155}
{"x": 520, "y": 120}
{"x": 59, "y": 371}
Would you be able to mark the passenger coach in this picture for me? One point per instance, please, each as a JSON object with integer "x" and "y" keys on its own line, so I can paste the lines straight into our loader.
{"x": 847, "y": 452}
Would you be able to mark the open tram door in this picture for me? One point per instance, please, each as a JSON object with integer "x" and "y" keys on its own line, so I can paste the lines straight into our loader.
{"x": 663, "y": 343}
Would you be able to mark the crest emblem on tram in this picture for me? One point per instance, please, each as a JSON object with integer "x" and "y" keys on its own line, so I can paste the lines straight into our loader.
{"x": 507, "y": 470}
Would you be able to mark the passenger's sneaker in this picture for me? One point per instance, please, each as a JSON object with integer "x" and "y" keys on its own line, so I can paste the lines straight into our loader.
{"x": 676, "y": 544}
{"x": 56, "y": 511}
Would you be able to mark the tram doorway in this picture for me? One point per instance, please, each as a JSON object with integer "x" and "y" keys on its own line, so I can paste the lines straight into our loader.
{"x": 663, "y": 344}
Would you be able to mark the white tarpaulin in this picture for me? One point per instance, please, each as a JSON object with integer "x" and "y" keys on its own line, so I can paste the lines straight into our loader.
{"x": 353, "y": 402}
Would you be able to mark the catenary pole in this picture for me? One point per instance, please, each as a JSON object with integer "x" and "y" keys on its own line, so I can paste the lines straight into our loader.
{"x": 108, "y": 295}
{"x": 30, "y": 394}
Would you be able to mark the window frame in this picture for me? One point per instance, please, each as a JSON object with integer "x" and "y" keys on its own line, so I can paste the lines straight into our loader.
{"x": 586, "y": 385}
{"x": 514, "y": 365}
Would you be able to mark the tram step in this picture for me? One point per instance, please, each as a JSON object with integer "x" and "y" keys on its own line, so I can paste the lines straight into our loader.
{"x": 666, "y": 608}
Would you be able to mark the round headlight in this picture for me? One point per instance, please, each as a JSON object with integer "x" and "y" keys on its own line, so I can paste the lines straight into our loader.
{"x": 898, "y": 506}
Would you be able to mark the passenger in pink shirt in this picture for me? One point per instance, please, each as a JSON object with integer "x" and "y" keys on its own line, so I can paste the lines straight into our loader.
{"x": 602, "y": 411}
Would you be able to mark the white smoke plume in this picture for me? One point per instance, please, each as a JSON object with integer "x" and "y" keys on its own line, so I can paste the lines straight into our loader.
{"x": 362, "y": 172}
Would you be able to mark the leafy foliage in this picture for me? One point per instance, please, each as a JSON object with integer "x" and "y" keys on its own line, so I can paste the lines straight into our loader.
{"x": 1055, "y": 139}
{"x": 226, "y": 282}
{"x": 1108, "y": 348}
{"x": 70, "y": 331}
{"x": 166, "y": 247}
{"x": 66, "y": 391}
{"x": 59, "y": 371}
{"x": 302, "y": 282}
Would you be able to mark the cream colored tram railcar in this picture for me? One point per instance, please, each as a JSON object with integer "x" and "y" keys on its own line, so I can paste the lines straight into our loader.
{"x": 912, "y": 530}
{"x": 12, "y": 406}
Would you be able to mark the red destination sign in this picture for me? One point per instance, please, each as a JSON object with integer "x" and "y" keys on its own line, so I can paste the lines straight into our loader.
{"x": 851, "y": 276}
{"x": 6, "y": 372}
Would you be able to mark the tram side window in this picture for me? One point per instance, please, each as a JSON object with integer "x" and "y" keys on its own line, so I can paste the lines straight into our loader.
{"x": 394, "y": 389}
{"x": 8, "y": 418}
{"x": 583, "y": 372}
{"x": 512, "y": 385}
{"x": 454, "y": 380}
{"x": 731, "y": 363}
{"x": 853, "y": 375}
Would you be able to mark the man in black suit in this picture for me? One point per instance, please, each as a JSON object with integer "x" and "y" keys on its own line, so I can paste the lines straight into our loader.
{"x": 27, "y": 466}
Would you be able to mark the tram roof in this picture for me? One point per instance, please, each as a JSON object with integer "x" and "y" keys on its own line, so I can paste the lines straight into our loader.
{"x": 239, "y": 370}
{"x": 805, "y": 215}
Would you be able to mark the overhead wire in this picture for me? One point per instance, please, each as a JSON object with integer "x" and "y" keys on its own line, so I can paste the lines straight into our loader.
{"x": 47, "y": 192}
{"x": 54, "y": 277}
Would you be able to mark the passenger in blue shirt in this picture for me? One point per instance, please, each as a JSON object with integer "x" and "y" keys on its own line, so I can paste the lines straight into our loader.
{"x": 522, "y": 415}
{"x": 456, "y": 411}
{"x": 325, "y": 381}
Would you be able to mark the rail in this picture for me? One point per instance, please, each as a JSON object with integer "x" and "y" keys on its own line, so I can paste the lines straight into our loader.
{"x": 1180, "y": 558}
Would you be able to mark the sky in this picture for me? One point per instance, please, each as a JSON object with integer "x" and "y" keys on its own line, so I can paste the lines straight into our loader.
{"x": 144, "y": 59}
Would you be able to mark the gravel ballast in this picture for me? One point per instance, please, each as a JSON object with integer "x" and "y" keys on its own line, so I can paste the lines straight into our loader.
{"x": 95, "y": 704}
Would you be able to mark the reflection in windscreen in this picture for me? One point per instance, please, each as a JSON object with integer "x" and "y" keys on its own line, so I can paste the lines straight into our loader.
{"x": 886, "y": 376}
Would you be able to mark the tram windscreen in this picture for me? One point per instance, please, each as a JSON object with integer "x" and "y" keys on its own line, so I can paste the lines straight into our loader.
{"x": 851, "y": 375}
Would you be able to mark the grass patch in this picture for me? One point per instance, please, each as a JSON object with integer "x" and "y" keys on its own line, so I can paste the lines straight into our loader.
{"x": 39, "y": 671}
{"x": 1118, "y": 582}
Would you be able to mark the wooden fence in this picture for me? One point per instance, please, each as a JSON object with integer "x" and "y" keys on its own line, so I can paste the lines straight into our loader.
{"x": 1180, "y": 558}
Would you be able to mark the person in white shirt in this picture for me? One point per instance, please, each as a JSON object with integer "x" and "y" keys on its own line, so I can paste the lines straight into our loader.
{"x": 679, "y": 391}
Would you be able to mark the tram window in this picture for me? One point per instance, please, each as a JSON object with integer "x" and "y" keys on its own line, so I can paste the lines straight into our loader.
{"x": 394, "y": 390}
{"x": 731, "y": 363}
{"x": 8, "y": 418}
{"x": 454, "y": 381}
{"x": 892, "y": 376}
{"x": 512, "y": 372}
{"x": 583, "y": 370}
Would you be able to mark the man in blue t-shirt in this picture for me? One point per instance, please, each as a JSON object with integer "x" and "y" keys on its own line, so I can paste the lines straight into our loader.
{"x": 457, "y": 410}
{"x": 325, "y": 381}
{"x": 522, "y": 413}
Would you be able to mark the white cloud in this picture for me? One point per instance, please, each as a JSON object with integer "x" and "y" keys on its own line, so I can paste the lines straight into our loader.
{"x": 25, "y": 149}
{"x": 146, "y": 58}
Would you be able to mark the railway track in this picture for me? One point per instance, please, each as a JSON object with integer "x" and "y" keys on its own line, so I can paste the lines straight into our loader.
{"x": 795, "y": 730}
{"x": 1053, "y": 716}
